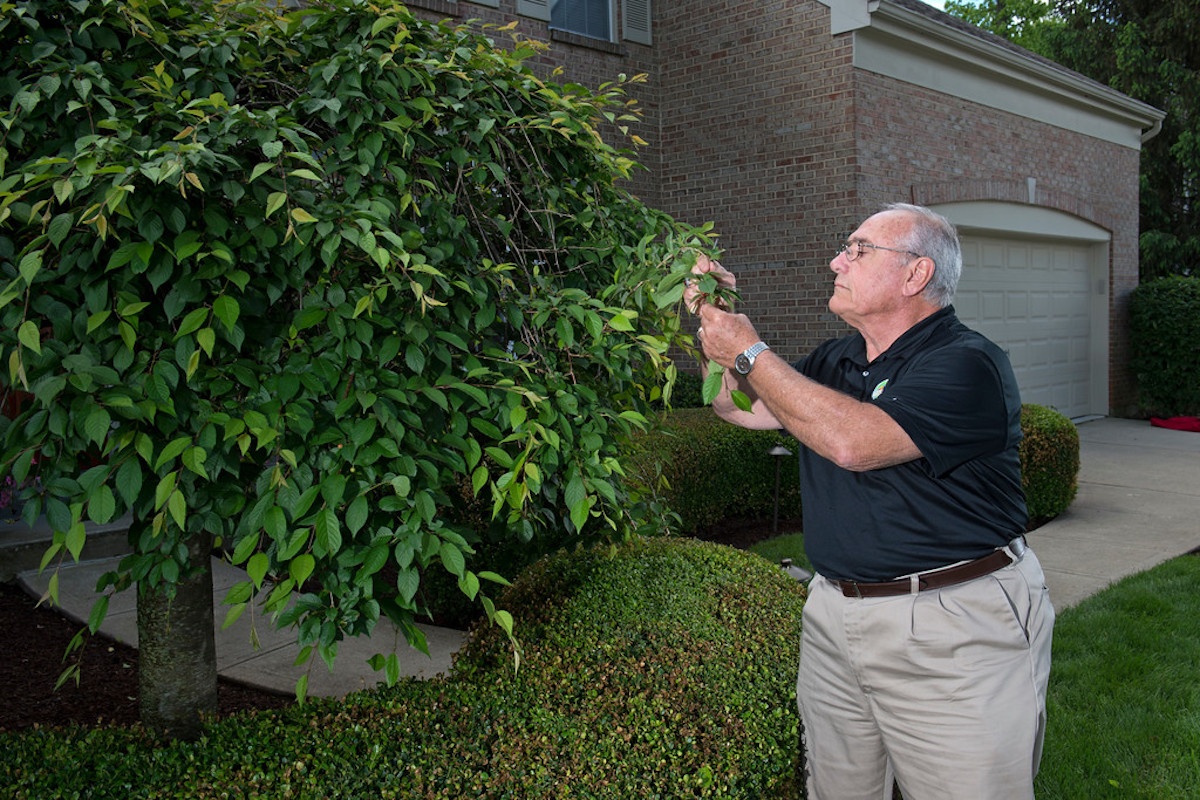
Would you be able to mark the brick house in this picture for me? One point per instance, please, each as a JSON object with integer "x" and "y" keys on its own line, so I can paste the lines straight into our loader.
{"x": 786, "y": 122}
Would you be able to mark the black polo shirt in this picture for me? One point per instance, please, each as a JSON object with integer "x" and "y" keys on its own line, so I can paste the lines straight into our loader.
{"x": 954, "y": 393}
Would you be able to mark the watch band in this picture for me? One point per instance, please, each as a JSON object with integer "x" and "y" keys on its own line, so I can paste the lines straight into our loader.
{"x": 745, "y": 361}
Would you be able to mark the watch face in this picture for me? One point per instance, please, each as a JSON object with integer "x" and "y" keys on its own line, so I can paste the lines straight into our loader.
{"x": 742, "y": 364}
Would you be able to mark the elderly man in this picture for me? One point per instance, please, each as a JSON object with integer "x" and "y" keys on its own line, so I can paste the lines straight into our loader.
{"x": 926, "y": 639}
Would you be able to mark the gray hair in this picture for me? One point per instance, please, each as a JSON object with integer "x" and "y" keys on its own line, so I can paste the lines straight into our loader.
{"x": 933, "y": 236}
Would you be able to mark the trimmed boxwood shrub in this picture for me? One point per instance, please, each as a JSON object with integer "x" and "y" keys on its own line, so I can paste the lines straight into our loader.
{"x": 1049, "y": 462}
{"x": 661, "y": 668}
{"x": 665, "y": 667}
{"x": 1164, "y": 328}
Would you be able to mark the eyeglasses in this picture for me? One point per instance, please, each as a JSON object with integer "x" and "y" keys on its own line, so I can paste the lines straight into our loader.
{"x": 854, "y": 250}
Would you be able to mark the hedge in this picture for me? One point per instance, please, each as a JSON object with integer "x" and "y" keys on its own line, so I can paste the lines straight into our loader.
{"x": 1164, "y": 318}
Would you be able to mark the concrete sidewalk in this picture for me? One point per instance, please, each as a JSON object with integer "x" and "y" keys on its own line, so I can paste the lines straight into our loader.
{"x": 1138, "y": 505}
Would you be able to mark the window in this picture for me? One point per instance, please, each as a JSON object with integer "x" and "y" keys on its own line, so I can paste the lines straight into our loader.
{"x": 586, "y": 17}
{"x": 595, "y": 19}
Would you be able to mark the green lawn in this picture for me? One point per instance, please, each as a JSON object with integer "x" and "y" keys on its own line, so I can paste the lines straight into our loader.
{"x": 1124, "y": 697}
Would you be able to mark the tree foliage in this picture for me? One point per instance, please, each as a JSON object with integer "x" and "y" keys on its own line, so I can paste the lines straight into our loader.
{"x": 1150, "y": 51}
{"x": 1023, "y": 22}
{"x": 346, "y": 290}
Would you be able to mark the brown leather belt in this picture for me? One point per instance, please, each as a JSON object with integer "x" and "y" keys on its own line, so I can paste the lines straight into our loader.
{"x": 938, "y": 578}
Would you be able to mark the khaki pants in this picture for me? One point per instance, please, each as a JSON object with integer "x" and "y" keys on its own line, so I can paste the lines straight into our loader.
{"x": 946, "y": 687}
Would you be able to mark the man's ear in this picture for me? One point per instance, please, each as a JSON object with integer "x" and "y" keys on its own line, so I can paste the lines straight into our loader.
{"x": 920, "y": 273}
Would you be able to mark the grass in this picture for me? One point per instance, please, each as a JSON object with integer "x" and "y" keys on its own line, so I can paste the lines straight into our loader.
{"x": 1124, "y": 697}
{"x": 790, "y": 545}
{"x": 1124, "y": 694}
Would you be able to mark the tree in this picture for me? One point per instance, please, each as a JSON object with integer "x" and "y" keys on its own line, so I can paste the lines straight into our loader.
{"x": 1150, "y": 51}
{"x": 337, "y": 290}
{"x": 1023, "y": 22}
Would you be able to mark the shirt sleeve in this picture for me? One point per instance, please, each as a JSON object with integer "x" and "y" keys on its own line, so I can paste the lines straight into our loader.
{"x": 956, "y": 404}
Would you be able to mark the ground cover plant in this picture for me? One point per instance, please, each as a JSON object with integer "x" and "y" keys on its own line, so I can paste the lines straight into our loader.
{"x": 659, "y": 668}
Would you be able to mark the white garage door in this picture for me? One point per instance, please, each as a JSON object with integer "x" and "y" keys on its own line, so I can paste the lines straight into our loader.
{"x": 1033, "y": 298}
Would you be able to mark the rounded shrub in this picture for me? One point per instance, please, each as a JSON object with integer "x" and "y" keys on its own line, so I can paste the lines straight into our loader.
{"x": 1049, "y": 462}
{"x": 660, "y": 668}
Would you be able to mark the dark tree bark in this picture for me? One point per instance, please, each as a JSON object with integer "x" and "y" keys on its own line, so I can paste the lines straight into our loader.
{"x": 178, "y": 657}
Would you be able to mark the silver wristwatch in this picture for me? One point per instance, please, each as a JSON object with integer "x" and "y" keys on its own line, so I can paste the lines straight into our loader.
{"x": 745, "y": 362}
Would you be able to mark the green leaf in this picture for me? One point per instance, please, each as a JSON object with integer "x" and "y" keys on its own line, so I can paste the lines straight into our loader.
{"x": 129, "y": 481}
{"x": 621, "y": 322}
{"x": 392, "y": 669}
{"x": 244, "y": 549}
{"x": 452, "y": 558}
{"x": 257, "y": 567}
{"x": 192, "y": 322}
{"x": 670, "y": 291}
{"x": 302, "y": 567}
{"x": 375, "y": 559}
{"x": 259, "y": 169}
{"x": 99, "y": 612}
{"x": 231, "y": 616}
{"x": 275, "y": 201}
{"x": 164, "y": 489}
{"x": 479, "y": 479}
{"x": 329, "y": 533}
{"x": 306, "y": 174}
{"x": 194, "y": 458}
{"x": 494, "y": 578}
{"x": 426, "y": 507}
{"x": 407, "y": 582}
{"x": 172, "y": 450}
{"x": 31, "y": 264}
{"x": 575, "y": 494}
{"x": 60, "y": 226}
{"x": 356, "y": 514}
{"x": 294, "y": 544}
{"x": 742, "y": 400}
{"x": 227, "y": 310}
{"x": 102, "y": 505}
{"x": 177, "y": 505}
{"x": 468, "y": 584}
{"x": 207, "y": 339}
{"x": 30, "y": 336}
{"x": 275, "y": 523}
{"x": 97, "y": 425}
{"x": 76, "y": 536}
{"x": 712, "y": 383}
{"x": 302, "y": 688}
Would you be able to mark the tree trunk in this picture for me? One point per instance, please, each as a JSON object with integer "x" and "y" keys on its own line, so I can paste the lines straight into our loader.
{"x": 177, "y": 654}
